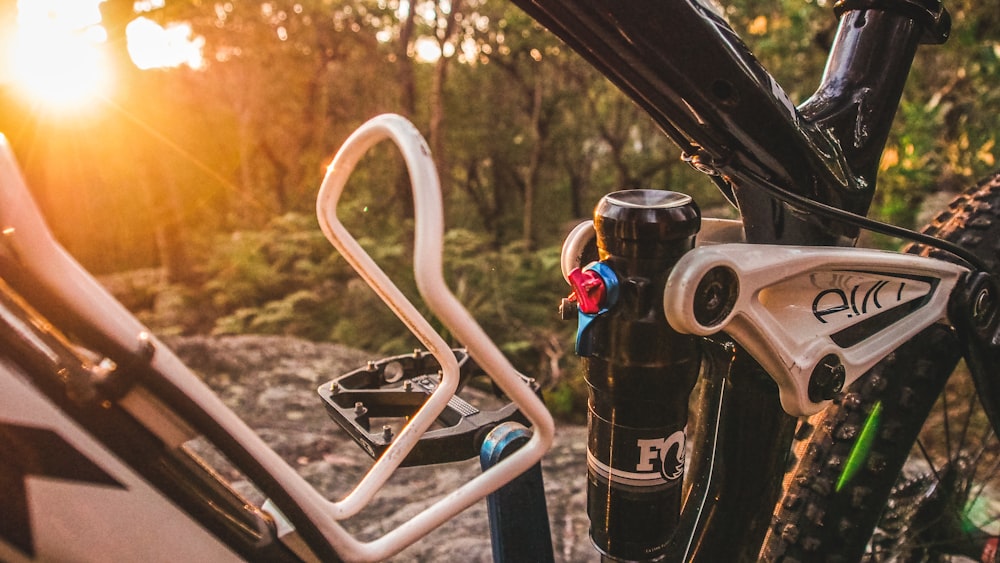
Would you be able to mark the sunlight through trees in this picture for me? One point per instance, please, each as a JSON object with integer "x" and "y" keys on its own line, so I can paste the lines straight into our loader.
{"x": 195, "y": 120}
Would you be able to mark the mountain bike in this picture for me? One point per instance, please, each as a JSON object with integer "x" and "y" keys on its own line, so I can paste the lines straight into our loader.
{"x": 756, "y": 385}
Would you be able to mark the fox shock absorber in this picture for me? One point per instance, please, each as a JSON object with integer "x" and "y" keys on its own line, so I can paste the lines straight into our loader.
{"x": 639, "y": 371}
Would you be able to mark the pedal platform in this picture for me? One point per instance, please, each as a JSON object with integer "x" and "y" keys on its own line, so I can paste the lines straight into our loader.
{"x": 373, "y": 402}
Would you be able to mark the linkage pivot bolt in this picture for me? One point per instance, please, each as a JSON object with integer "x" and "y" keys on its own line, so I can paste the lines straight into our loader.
{"x": 715, "y": 296}
{"x": 827, "y": 379}
{"x": 983, "y": 306}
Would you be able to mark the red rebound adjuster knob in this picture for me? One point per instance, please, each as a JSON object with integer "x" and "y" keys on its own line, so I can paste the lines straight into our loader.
{"x": 589, "y": 289}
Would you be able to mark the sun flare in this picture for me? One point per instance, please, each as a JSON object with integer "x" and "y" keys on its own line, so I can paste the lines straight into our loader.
{"x": 151, "y": 45}
{"x": 56, "y": 56}
{"x": 60, "y": 72}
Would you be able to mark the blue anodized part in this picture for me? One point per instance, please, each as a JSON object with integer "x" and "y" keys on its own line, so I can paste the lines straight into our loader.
{"x": 610, "y": 279}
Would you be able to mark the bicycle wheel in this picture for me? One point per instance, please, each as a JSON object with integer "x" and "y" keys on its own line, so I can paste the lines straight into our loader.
{"x": 904, "y": 466}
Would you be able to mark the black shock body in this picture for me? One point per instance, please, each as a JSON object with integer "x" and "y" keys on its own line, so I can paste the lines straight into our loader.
{"x": 640, "y": 373}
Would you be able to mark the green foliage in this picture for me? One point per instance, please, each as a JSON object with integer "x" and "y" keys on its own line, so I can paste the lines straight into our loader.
{"x": 247, "y": 268}
{"x": 223, "y": 163}
{"x": 291, "y": 314}
{"x": 567, "y": 399}
{"x": 285, "y": 279}
{"x": 514, "y": 295}
{"x": 946, "y": 131}
{"x": 267, "y": 281}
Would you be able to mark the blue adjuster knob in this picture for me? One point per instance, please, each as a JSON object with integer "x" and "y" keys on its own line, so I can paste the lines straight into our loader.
{"x": 595, "y": 289}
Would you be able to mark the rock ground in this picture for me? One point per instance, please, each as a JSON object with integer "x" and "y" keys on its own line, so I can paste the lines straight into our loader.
{"x": 271, "y": 381}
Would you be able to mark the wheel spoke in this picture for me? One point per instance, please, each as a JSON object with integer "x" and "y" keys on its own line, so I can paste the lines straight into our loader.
{"x": 946, "y": 426}
{"x": 976, "y": 459}
{"x": 970, "y": 411}
{"x": 983, "y": 447}
{"x": 976, "y": 477}
{"x": 927, "y": 458}
{"x": 995, "y": 517}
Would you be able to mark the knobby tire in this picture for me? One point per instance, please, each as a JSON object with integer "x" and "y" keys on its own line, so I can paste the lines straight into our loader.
{"x": 875, "y": 505}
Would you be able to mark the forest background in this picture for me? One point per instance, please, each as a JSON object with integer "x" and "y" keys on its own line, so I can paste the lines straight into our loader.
{"x": 198, "y": 180}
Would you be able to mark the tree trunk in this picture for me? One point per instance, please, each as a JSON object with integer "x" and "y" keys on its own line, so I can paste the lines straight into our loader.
{"x": 534, "y": 162}
{"x": 141, "y": 97}
{"x": 407, "y": 84}
{"x": 407, "y": 103}
{"x": 437, "y": 125}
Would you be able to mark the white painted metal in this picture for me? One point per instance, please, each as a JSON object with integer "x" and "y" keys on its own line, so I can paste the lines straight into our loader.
{"x": 793, "y": 300}
{"x": 27, "y": 240}
{"x": 430, "y": 282}
{"x": 573, "y": 248}
{"x": 80, "y": 521}
{"x": 719, "y": 231}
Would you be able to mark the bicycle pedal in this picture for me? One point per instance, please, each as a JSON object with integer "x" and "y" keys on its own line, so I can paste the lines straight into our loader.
{"x": 373, "y": 402}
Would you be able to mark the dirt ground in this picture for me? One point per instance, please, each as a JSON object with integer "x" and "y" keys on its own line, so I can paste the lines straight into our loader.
{"x": 271, "y": 383}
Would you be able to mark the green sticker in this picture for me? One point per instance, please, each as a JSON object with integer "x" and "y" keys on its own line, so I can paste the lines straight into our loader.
{"x": 862, "y": 447}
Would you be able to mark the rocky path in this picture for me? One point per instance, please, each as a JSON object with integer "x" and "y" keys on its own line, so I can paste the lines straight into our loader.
{"x": 271, "y": 381}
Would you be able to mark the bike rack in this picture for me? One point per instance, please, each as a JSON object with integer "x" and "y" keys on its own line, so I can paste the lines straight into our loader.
{"x": 429, "y": 231}
{"x": 176, "y": 406}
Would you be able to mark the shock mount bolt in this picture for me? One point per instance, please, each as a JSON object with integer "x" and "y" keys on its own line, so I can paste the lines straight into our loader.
{"x": 715, "y": 296}
{"x": 827, "y": 379}
{"x": 982, "y": 307}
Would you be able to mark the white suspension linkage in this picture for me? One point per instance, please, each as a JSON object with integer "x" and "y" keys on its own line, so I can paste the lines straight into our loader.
{"x": 815, "y": 318}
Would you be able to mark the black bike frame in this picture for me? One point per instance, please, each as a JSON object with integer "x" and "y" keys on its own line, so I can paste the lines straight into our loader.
{"x": 690, "y": 71}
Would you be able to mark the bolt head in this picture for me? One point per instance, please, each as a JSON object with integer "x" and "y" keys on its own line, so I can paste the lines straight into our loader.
{"x": 827, "y": 379}
{"x": 568, "y": 309}
{"x": 982, "y": 307}
{"x": 715, "y": 296}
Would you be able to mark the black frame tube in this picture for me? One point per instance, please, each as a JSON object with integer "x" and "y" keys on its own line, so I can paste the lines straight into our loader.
{"x": 690, "y": 71}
